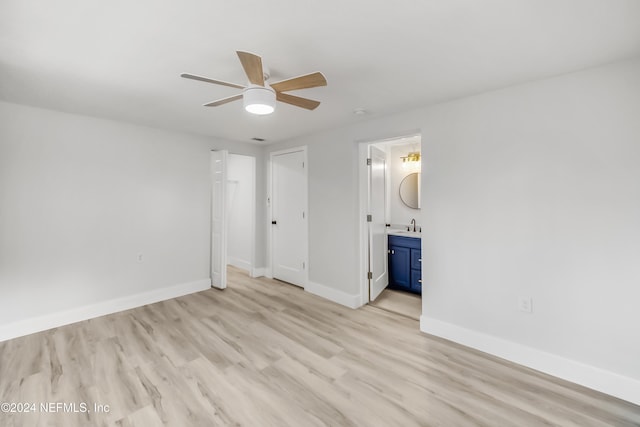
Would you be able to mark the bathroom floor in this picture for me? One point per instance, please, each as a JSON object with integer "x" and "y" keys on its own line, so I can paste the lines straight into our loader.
{"x": 400, "y": 302}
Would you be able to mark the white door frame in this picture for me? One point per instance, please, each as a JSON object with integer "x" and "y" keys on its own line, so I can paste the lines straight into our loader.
{"x": 363, "y": 172}
{"x": 269, "y": 272}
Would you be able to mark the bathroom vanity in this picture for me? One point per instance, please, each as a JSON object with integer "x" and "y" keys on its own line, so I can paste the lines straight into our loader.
{"x": 405, "y": 261}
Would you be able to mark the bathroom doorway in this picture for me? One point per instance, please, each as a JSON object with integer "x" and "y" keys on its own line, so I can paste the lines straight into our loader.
{"x": 390, "y": 231}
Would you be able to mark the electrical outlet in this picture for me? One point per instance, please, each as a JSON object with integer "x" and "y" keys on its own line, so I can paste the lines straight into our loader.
{"x": 525, "y": 304}
{"x": 140, "y": 258}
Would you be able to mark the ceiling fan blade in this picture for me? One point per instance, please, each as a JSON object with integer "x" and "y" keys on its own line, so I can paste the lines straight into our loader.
{"x": 302, "y": 82}
{"x": 252, "y": 65}
{"x": 309, "y": 104}
{"x": 208, "y": 80}
{"x": 223, "y": 101}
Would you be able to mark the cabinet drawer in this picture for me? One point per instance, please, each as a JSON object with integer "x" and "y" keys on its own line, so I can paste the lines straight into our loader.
{"x": 416, "y": 281}
{"x": 416, "y": 259}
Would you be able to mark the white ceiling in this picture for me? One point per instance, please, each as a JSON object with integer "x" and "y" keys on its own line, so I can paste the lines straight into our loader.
{"x": 121, "y": 59}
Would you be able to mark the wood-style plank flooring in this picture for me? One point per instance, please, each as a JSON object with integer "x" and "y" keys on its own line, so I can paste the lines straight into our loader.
{"x": 400, "y": 302}
{"x": 264, "y": 353}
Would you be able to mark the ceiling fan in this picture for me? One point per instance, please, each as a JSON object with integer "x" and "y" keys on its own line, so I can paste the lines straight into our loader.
{"x": 259, "y": 97}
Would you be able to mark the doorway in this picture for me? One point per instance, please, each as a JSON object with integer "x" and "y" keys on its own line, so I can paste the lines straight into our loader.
{"x": 233, "y": 182}
{"x": 241, "y": 178}
{"x": 288, "y": 228}
{"x": 386, "y": 167}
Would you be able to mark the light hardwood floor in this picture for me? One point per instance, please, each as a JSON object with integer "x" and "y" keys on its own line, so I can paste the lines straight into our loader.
{"x": 400, "y": 302}
{"x": 264, "y": 353}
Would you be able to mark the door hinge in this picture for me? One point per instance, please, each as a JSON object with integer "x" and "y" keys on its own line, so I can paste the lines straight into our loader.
{"x": 302, "y": 214}
{"x": 304, "y": 265}
{"x": 369, "y": 275}
{"x": 369, "y": 218}
{"x": 368, "y": 162}
{"x": 302, "y": 165}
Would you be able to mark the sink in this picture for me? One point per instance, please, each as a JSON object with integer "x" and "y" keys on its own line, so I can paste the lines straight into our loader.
{"x": 405, "y": 233}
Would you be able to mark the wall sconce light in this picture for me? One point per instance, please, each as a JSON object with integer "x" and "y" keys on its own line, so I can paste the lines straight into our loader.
{"x": 411, "y": 162}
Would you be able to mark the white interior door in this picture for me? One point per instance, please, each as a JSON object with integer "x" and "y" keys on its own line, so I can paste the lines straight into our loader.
{"x": 219, "y": 219}
{"x": 377, "y": 226}
{"x": 289, "y": 217}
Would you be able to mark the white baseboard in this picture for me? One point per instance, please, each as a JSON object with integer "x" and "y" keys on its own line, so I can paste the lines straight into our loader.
{"x": 258, "y": 272}
{"x": 262, "y": 272}
{"x": 239, "y": 263}
{"x": 343, "y": 298}
{"x": 54, "y": 320}
{"x": 576, "y": 372}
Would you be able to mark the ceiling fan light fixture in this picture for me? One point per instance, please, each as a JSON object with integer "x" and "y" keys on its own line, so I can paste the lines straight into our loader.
{"x": 260, "y": 100}
{"x": 260, "y": 97}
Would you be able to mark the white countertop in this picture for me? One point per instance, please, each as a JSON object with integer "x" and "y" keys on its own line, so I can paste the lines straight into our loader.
{"x": 404, "y": 233}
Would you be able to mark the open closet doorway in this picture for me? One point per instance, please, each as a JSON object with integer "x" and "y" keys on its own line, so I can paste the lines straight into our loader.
{"x": 232, "y": 215}
{"x": 391, "y": 240}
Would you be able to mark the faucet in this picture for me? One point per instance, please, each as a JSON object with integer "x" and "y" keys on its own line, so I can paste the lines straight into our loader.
{"x": 413, "y": 221}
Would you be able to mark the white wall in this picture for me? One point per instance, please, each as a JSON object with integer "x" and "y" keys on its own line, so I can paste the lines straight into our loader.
{"x": 240, "y": 202}
{"x": 533, "y": 190}
{"x": 333, "y": 201}
{"x": 401, "y": 214}
{"x": 81, "y": 197}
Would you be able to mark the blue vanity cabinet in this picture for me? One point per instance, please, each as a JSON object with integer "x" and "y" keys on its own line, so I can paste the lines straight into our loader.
{"x": 416, "y": 270}
{"x": 416, "y": 281}
{"x": 405, "y": 263}
{"x": 399, "y": 259}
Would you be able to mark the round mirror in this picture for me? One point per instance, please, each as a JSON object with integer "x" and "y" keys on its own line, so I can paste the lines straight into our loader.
{"x": 410, "y": 190}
